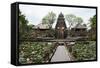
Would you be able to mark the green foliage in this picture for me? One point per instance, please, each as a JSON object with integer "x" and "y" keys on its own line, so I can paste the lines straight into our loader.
{"x": 92, "y": 31}
{"x": 73, "y": 20}
{"x": 84, "y": 50}
{"x": 79, "y": 20}
{"x": 93, "y": 21}
{"x": 51, "y": 33}
{"x": 24, "y": 28}
{"x": 22, "y": 25}
{"x": 35, "y": 52}
{"x": 49, "y": 19}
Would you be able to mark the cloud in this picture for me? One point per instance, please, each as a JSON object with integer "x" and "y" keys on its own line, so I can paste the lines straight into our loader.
{"x": 35, "y": 13}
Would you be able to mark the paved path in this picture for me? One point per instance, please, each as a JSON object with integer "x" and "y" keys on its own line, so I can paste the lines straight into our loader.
{"x": 61, "y": 54}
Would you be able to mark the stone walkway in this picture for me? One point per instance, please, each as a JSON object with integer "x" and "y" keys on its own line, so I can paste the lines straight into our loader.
{"x": 61, "y": 54}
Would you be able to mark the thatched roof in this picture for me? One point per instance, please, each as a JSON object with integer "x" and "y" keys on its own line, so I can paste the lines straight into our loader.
{"x": 80, "y": 26}
{"x": 41, "y": 26}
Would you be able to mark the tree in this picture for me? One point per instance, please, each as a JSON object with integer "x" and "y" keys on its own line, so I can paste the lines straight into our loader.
{"x": 49, "y": 19}
{"x": 71, "y": 20}
{"x": 30, "y": 27}
{"x": 78, "y": 20}
{"x": 93, "y": 21}
{"x": 92, "y": 31}
{"x": 24, "y": 28}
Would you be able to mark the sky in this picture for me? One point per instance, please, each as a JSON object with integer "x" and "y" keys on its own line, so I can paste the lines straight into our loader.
{"x": 35, "y": 13}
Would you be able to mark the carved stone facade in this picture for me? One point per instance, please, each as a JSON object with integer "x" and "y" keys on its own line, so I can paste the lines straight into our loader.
{"x": 60, "y": 28}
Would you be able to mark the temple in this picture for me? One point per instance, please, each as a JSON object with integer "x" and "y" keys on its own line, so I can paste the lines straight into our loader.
{"x": 60, "y": 28}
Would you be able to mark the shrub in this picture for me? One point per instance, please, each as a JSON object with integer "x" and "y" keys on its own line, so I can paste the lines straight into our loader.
{"x": 84, "y": 51}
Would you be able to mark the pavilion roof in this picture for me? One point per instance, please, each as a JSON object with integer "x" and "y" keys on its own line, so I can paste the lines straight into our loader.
{"x": 42, "y": 26}
{"x": 80, "y": 26}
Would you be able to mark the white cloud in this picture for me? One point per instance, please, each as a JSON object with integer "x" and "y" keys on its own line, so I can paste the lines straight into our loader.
{"x": 35, "y": 13}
